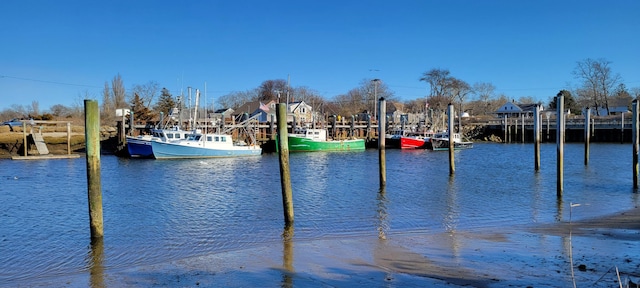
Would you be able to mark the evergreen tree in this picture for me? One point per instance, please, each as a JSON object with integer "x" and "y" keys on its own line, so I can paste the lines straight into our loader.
{"x": 140, "y": 111}
{"x": 165, "y": 102}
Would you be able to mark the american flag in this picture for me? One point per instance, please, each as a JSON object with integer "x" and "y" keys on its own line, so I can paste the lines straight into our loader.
{"x": 263, "y": 107}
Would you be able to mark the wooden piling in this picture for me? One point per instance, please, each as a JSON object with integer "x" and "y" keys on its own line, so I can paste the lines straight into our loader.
{"x": 272, "y": 128}
{"x": 452, "y": 165}
{"x": 285, "y": 174}
{"x": 369, "y": 127}
{"x": 536, "y": 137}
{"x": 68, "y": 138}
{"x": 560, "y": 144}
{"x": 92, "y": 136}
{"x": 621, "y": 128}
{"x": 505, "y": 128}
{"x": 381, "y": 141}
{"x": 587, "y": 134}
{"x": 636, "y": 140}
{"x": 522, "y": 127}
{"x": 24, "y": 137}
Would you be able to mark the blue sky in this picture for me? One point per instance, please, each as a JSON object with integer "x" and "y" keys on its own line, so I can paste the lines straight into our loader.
{"x": 56, "y": 52}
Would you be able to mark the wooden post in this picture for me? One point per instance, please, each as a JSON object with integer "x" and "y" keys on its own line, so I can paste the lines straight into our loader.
{"x": 24, "y": 137}
{"x": 452, "y": 165}
{"x": 293, "y": 123}
{"x": 505, "y": 128}
{"x": 621, "y": 128}
{"x": 522, "y": 130}
{"x": 515, "y": 131}
{"x": 636, "y": 139}
{"x": 285, "y": 174}
{"x": 352, "y": 133}
{"x": 68, "y": 138}
{"x": 272, "y": 128}
{"x": 92, "y": 136}
{"x": 560, "y": 144}
{"x": 587, "y": 134}
{"x": 369, "y": 127}
{"x": 536, "y": 137}
{"x": 131, "y": 124}
{"x": 381, "y": 141}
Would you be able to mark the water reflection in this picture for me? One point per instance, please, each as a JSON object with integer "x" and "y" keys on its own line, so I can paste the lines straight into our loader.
{"x": 287, "y": 256}
{"x": 96, "y": 264}
{"x": 383, "y": 222}
{"x": 450, "y": 221}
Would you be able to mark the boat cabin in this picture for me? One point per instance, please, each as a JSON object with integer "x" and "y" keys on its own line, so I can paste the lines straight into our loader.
{"x": 314, "y": 134}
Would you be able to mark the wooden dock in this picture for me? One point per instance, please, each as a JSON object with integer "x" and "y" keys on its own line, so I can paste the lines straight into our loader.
{"x": 46, "y": 157}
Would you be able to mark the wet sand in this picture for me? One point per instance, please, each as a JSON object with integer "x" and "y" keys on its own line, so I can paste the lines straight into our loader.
{"x": 527, "y": 256}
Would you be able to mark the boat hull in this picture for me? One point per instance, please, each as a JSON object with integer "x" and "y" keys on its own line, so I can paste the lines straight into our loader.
{"x": 139, "y": 148}
{"x": 163, "y": 150}
{"x": 412, "y": 143}
{"x": 300, "y": 144}
{"x": 439, "y": 145}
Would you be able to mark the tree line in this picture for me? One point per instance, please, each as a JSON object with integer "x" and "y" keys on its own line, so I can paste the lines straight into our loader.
{"x": 598, "y": 86}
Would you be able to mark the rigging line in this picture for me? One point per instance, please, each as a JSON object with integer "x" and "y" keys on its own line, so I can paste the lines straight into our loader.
{"x": 45, "y": 81}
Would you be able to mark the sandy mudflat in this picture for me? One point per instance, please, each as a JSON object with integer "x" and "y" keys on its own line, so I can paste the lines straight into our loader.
{"x": 528, "y": 256}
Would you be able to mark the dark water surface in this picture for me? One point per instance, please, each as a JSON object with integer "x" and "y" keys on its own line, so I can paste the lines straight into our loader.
{"x": 162, "y": 210}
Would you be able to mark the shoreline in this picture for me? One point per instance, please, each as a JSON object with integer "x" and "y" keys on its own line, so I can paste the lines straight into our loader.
{"x": 478, "y": 258}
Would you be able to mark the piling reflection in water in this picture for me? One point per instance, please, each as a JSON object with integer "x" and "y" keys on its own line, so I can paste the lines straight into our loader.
{"x": 96, "y": 264}
{"x": 287, "y": 256}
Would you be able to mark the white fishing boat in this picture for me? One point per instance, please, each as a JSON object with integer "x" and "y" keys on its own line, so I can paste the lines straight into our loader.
{"x": 440, "y": 141}
{"x": 199, "y": 145}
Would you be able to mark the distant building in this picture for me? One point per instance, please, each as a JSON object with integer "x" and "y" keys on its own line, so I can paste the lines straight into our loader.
{"x": 302, "y": 111}
{"x": 511, "y": 110}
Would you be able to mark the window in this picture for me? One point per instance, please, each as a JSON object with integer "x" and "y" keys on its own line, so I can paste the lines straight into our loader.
{"x": 217, "y": 139}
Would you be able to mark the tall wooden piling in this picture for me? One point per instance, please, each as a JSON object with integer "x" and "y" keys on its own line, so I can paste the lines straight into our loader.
{"x": 560, "y": 144}
{"x": 536, "y": 137}
{"x": 92, "y": 136}
{"x": 381, "y": 141}
{"x": 452, "y": 165}
{"x": 285, "y": 174}
{"x": 636, "y": 140}
{"x": 68, "y": 138}
{"x": 587, "y": 134}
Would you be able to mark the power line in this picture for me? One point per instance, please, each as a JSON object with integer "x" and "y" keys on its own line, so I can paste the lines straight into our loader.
{"x": 46, "y": 81}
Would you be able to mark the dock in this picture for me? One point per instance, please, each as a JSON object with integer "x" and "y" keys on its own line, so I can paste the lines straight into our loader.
{"x": 45, "y": 157}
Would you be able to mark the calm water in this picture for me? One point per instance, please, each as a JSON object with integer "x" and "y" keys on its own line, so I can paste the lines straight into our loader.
{"x": 156, "y": 211}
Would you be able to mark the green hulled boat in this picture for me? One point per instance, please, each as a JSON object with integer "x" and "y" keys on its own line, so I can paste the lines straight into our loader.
{"x": 310, "y": 140}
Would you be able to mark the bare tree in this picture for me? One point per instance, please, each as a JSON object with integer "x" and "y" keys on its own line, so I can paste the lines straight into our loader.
{"x": 147, "y": 92}
{"x": 484, "y": 92}
{"x": 635, "y": 92}
{"x": 35, "y": 108}
{"x": 439, "y": 81}
{"x": 107, "y": 104}
{"x": 237, "y": 98}
{"x": 273, "y": 90}
{"x": 117, "y": 86}
{"x": 598, "y": 81}
{"x": 351, "y": 103}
